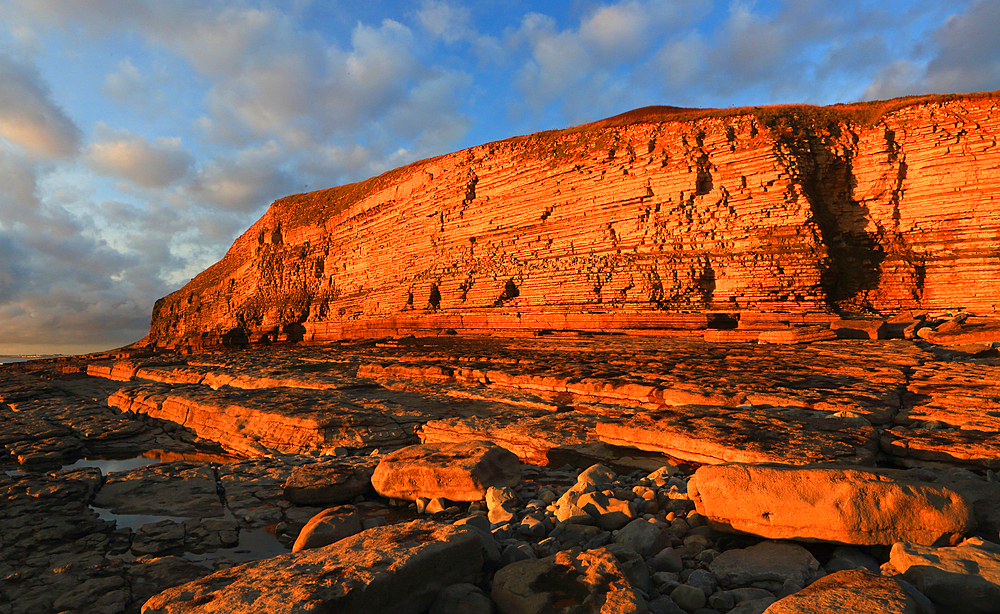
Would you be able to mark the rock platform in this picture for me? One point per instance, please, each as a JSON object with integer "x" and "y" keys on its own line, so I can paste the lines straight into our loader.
{"x": 257, "y": 442}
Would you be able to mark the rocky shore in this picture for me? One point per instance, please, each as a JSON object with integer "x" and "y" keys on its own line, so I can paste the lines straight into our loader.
{"x": 554, "y": 473}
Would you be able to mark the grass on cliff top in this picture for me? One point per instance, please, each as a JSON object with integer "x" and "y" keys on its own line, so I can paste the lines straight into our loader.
{"x": 866, "y": 113}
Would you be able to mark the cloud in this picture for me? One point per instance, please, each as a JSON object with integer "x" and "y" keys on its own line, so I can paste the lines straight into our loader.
{"x": 968, "y": 59}
{"x": 247, "y": 181}
{"x": 131, "y": 88}
{"x": 961, "y": 55}
{"x": 133, "y": 157}
{"x": 589, "y": 71}
{"x": 445, "y": 20}
{"x": 28, "y": 116}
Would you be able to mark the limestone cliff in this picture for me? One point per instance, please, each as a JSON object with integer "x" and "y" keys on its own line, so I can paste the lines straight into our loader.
{"x": 646, "y": 220}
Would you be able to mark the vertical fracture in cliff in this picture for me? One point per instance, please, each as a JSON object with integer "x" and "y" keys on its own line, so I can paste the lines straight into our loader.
{"x": 630, "y": 222}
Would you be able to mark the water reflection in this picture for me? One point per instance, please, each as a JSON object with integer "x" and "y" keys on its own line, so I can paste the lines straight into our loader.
{"x": 108, "y": 465}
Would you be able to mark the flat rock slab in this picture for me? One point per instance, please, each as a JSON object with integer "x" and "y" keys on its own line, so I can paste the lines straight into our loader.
{"x": 765, "y": 562}
{"x": 963, "y": 448}
{"x": 965, "y": 578}
{"x": 804, "y": 334}
{"x": 713, "y": 435}
{"x": 536, "y": 439}
{"x": 396, "y": 569}
{"x": 834, "y": 504}
{"x": 852, "y": 591}
{"x": 570, "y": 580}
{"x": 329, "y": 482}
{"x": 164, "y": 489}
{"x": 454, "y": 471}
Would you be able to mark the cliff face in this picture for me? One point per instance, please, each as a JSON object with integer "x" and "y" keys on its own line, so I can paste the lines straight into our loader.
{"x": 629, "y": 223}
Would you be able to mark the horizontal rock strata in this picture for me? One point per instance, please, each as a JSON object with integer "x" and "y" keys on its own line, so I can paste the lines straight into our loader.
{"x": 715, "y": 435}
{"x": 640, "y": 223}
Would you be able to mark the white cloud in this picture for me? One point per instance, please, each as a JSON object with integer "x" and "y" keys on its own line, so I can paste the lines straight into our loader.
{"x": 446, "y": 20}
{"x": 247, "y": 181}
{"x": 28, "y": 116}
{"x": 129, "y": 87}
{"x": 133, "y": 157}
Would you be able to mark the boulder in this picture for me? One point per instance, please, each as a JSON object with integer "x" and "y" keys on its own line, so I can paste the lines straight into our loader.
{"x": 590, "y": 581}
{"x": 455, "y": 471}
{"x": 398, "y": 569}
{"x": 778, "y": 562}
{"x": 646, "y": 537}
{"x": 327, "y": 483}
{"x": 836, "y": 504}
{"x": 965, "y": 578}
{"x": 327, "y": 527}
{"x": 857, "y": 591}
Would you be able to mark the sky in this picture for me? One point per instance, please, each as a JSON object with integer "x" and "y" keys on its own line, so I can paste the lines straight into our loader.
{"x": 139, "y": 138}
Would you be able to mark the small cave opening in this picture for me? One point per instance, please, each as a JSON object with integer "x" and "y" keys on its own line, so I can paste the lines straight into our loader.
{"x": 294, "y": 331}
{"x": 510, "y": 292}
{"x": 434, "y": 300}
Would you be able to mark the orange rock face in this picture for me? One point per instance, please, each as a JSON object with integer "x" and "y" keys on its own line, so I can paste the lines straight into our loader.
{"x": 627, "y": 224}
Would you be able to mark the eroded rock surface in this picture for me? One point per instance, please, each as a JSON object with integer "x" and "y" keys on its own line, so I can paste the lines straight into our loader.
{"x": 399, "y": 569}
{"x": 853, "y": 591}
{"x": 965, "y": 578}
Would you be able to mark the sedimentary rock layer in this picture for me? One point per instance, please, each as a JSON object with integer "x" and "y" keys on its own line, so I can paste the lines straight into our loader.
{"x": 632, "y": 223}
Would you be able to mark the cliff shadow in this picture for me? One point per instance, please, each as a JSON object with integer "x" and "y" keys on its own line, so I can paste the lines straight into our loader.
{"x": 853, "y": 266}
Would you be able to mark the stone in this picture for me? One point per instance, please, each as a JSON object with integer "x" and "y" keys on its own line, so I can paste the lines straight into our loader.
{"x": 631, "y": 564}
{"x": 329, "y": 526}
{"x": 766, "y": 561}
{"x": 326, "y": 483}
{"x": 498, "y": 497}
{"x": 688, "y": 598}
{"x": 964, "y": 578}
{"x": 846, "y": 558}
{"x": 611, "y": 514}
{"x": 589, "y": 580}
{"x": 397, "y": 568}
{"x": 667, "y": 559}
{"x": 646, "y": 537}
{"x": 462, "y": 599}
{"x": 164, "y": 489}
{"x": 852, "y": 591}
{"x": 596, "y": 475}
{"x": 457, "y": 472}
{"x": 836, "y": 504}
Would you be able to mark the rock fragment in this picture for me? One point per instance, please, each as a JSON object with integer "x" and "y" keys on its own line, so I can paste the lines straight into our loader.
{"x": 456, "y": 471}
{"x": 773, "y": 562}
{"x": 329, "y": 526}
{"x": 590, "y": 580}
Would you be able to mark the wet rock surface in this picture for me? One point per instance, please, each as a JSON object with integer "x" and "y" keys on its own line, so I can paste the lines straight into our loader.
{"x": 85, "y": 540}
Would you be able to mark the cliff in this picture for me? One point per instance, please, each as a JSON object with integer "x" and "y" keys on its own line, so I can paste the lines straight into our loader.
{"x": 660, "y": 218}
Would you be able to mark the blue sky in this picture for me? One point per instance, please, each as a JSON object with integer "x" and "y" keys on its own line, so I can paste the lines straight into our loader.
{"x": 138, "y": 138}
